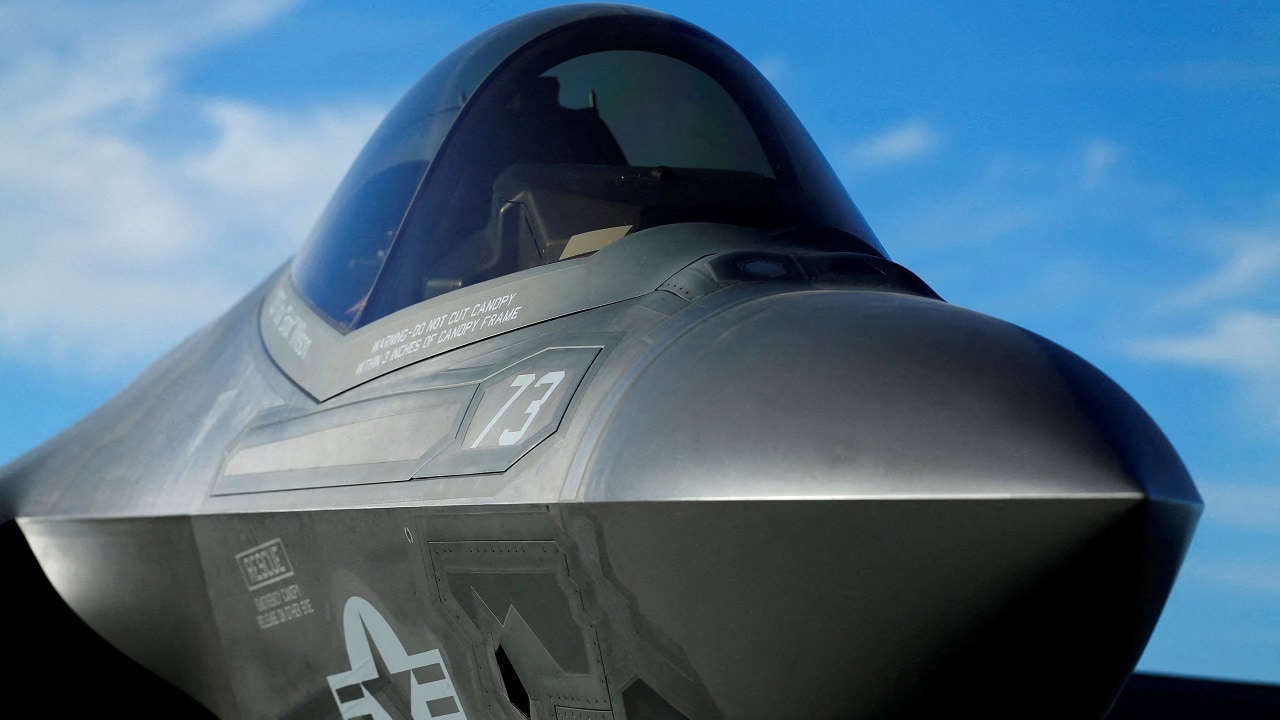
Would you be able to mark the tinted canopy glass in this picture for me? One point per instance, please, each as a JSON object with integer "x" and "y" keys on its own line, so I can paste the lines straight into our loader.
{"x": 550, "y": 137}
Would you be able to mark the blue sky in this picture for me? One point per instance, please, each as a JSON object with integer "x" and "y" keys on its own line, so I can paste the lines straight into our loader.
{"x": 1105, "y": 174}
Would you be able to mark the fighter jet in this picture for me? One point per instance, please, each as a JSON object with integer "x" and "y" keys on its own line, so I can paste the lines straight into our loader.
{"x": 592, "y": 396}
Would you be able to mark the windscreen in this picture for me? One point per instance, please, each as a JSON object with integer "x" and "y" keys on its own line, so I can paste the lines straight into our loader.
{"x": 349, "y": 244}
{"x": 594, "y": 131}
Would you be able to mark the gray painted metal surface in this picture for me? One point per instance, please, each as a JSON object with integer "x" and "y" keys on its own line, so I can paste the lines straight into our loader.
{"x": 700, "y": 473}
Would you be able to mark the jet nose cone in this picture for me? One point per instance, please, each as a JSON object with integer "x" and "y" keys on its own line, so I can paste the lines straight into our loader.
{"x": 829, "y": 394}
{"x": 863, "y": 504}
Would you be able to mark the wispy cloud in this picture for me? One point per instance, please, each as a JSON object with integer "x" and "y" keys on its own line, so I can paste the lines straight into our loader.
{"x": 1040, "y": 213}
{"x": 1251, "y": 268}
{"x": 775, "y": 68}
{"x": 272, "y": 170}
{"x": 1246, "y": 513}
{"x": 905, "y": 142}
{"x": 1099, "y": 157}
{"x": 1239, "y": 341}
{"x": 1243, "y": 344}
{"x": 1250, "y": 507}
{"x": 1227, "y": 319}
{"x": 115, "y": 245}
{"x": 1232, "y": 308}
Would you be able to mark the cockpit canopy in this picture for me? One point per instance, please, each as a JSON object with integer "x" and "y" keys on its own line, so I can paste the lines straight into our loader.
{"x": 547, "y": 138}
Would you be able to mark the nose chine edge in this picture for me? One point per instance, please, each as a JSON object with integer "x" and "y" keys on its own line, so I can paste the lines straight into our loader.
{"x": 890, "y": 507}
{"x": 830, "y": 394}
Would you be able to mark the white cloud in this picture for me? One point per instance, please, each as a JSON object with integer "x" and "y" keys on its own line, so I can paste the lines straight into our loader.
{"x": 775, "y": 68}
{"x": 906, "y": 142}
{"x": 1252, "y": 266}
{"x": 1229, "y": 316}
{"x": 1239, "y": 341}
{"x": 273, "y": 171}
{"x": 1011, "y": 200}
{"x": 1099, "y": 157}
{"x": 1252, "y": 507}
{"x": 115, "y": 249}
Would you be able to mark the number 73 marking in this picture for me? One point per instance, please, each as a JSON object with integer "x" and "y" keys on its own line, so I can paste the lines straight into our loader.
{"x": 521, "y": 383}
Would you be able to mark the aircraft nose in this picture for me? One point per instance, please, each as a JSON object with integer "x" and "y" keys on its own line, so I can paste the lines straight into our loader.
{"x": 866, "y": 504}
{"x": 830, "y": 394}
